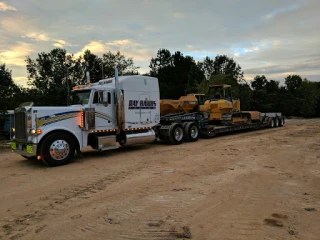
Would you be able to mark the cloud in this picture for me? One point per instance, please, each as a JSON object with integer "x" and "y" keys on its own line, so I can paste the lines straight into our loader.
{"x": 269, "y": 37}
{"x": 292, "y": 68}
{"x": 129, "y": 48}
{"x": 95, "y": 47}
{"x": 253, "y": 49}
{"x": 280, "y": 10}
{"x": 37, "y": 36}
{"x": 22, "y": 80}
{"x": 58, "y": 45}
{"x": 85, "y": 27}
{"x": 16, "y": 54}
{"x": 62, "y": 43}
{"x": 178, "y": 15}
{"x": 6, "y": 7}
{"x": 123, "y": 42}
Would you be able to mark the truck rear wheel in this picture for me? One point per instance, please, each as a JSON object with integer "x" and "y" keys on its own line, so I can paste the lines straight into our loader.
{"x": 191, "y": 132}
{"x": 57, "y": 149}
{"x": 176, "y": 134}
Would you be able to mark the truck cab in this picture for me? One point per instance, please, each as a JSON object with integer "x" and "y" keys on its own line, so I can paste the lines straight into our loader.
{"x": 105, "y": 115}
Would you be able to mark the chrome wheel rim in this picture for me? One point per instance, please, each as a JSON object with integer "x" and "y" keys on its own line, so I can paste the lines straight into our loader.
{"x": 178, "y": 134}
{"x": 194, "y": 132}
{"x": 59, "y": 150}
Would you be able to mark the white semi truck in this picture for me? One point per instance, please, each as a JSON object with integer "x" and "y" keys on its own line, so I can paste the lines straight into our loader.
{"x": 113, "y": 112}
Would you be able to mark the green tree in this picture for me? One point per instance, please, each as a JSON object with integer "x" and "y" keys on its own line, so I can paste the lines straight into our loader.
{"x": 161, "y": 61}
{"x": 125, "y": 65}
{"x": 307, "y": 98}
{"x": 207, "y": 67}
{"x": 286, "y": 102}
{"x": 259, "y": 82}
{"x": 8, "y": 89}
{"x": 48, "y": 73}
{"x": 272, "y": 87}
{"x": 93, "y": 64}
{"x": 227, "y": 66}
{"x": 293, "y": 82}
{"x": 178, "y": 75}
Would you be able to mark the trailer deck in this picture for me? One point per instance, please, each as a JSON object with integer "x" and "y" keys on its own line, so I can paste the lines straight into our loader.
{"x": 208, "y": 130}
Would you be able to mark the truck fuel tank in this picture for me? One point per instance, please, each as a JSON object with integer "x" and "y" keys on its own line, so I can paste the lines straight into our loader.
{"x": 139, "y": 138}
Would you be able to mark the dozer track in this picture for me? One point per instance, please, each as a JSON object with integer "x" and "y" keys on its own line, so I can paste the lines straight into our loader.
{"x": 235, "y": 118}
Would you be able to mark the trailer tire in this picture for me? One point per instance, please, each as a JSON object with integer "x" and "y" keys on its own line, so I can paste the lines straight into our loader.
{"x": 57, "y": 149}
{"x": 175, "y": 134}
{"x": 271, "y": 123}
{"x": 191, "y": 132}
{"x": 281, "y": 122}
{"x": 276, "y": 122}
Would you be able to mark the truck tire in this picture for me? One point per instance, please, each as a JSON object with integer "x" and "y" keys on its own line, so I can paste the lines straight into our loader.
{"x": 191, "y": 132}
{"x": 176, "y": 134}
{"x": 57, "y": 149}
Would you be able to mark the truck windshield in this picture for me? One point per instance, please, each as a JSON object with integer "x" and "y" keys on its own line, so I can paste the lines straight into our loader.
{"x": 80, "y": 97}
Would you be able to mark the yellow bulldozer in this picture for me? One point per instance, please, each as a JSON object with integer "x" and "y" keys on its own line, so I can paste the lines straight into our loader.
{"x": 219, "y": 107}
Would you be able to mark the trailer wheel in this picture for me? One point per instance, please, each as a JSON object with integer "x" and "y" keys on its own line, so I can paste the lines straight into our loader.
{"x": 57, "y": 149}
{"x": 176, "y": 134}
{"x": 271, "y": 123}
{"x": 281, "y": 122}
{"x": 276, "y": 122}
{"x": 191, "y": 132}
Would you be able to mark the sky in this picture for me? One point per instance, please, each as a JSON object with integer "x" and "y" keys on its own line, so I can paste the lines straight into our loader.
{"x": 275, "y": 38}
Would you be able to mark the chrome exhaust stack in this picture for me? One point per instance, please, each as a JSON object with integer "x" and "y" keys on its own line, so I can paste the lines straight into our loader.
{"x": 119, "y": 102}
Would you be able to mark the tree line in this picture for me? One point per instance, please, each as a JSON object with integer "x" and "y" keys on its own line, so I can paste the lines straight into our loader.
{"x": 51, "y": 76}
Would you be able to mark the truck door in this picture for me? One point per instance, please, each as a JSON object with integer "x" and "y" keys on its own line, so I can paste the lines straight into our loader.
{"x": 104, "y": 115}
{"x": 145, "y": 111}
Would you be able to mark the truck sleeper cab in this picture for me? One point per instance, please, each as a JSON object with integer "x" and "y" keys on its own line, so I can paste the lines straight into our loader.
{"x": 113, "y": 112}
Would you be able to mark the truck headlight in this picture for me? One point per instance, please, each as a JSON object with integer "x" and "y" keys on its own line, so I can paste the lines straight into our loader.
{"x": 35, "y": 131}
{"x": 12, "y": 131}
{"x": 32, "y": 131}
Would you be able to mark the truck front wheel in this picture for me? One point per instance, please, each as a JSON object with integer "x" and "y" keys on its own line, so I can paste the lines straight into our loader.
{"x": 57, "y": 149}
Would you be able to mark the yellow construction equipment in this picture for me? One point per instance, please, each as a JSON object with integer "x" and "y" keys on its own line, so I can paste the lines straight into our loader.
{"x": 184, "y": 104}
{"x": 219, "y": 107}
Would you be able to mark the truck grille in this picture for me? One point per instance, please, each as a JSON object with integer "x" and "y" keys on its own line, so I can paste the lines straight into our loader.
{"x": 20, "y": 124}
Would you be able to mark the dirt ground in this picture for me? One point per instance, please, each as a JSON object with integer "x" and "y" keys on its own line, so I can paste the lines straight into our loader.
{"x": 253, "y": 185}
